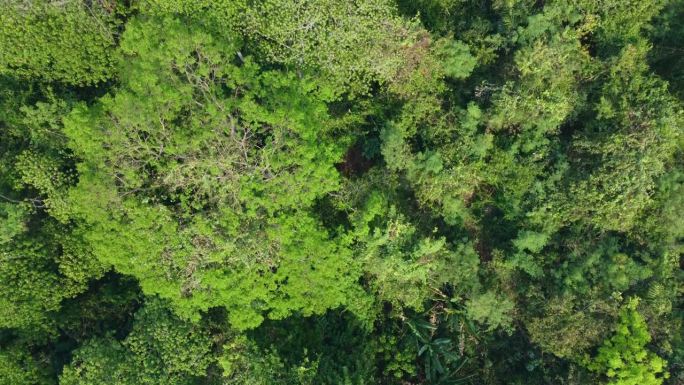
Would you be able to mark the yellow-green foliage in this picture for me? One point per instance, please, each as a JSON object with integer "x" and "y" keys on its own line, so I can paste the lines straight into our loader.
{"x": 203, "y": 188}
{"x": 66, "y": 41}
{"x": 624, "y": 358}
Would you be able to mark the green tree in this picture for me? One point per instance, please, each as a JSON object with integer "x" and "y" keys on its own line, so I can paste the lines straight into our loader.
{"x": 68, "y": 41}
{"x": 624, "y": 358}
{"x": 208, "y": 167}
{"x": 160, "y": 349}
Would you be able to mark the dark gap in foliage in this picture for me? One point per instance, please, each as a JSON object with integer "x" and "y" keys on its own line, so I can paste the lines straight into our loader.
{"x": 355, "y": 162}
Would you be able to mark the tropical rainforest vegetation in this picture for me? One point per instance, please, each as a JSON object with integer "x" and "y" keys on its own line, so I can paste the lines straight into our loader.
{"x": 293, "y": 192}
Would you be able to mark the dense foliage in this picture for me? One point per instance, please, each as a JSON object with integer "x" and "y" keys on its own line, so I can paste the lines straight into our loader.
{"x": 341, "y": 192}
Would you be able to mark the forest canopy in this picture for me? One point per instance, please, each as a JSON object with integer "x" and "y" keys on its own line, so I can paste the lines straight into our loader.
{"x": 299, "y": 192}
